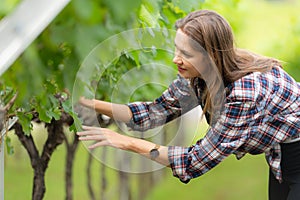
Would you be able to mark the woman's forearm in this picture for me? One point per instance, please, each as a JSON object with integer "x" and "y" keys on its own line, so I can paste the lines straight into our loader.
{"x": 143, "y": 147}
{"x": 119, "y": 112}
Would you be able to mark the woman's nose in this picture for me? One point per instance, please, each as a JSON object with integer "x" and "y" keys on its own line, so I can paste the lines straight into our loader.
{"x": 177, "y": 60}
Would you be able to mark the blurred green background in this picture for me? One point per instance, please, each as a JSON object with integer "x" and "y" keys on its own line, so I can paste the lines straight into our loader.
{"x": 271, "y": 28}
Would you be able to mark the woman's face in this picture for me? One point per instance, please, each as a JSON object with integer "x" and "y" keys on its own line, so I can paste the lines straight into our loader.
{"x": 187, "y": 59}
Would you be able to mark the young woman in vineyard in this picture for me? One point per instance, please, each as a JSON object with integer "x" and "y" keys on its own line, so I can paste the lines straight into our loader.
{"x": 250, "y": 102}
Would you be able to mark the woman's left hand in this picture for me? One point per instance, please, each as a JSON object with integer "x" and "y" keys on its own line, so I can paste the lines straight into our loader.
{"x": 103, "y": 137}
{"x": 107, "y": 137}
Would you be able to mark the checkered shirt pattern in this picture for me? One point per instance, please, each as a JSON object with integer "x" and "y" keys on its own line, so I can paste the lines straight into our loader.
{"x": 261, "y": 110}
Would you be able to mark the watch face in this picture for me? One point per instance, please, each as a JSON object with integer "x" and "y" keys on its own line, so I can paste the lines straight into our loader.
{"x": 154, "y": 153}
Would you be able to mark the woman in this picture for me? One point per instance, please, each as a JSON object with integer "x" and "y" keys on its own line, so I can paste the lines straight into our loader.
{"x": 251, "y": 103}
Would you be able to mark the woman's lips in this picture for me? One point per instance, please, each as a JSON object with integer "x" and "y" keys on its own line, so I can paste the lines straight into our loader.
{"x": 180, "y": 69}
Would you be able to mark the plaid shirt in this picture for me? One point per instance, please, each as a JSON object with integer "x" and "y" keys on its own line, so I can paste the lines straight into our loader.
{"x": 261, "y": 110}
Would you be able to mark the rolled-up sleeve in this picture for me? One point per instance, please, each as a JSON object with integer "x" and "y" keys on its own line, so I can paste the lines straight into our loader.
{"x": 191, "y": 162}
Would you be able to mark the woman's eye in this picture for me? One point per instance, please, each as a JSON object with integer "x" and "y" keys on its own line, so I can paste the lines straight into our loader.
{"x": 186, "y": 55}
{"x": 182, "y": 53}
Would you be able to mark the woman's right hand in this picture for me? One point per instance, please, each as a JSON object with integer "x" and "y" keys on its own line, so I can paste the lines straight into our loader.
{"x": 118, "y": 112}
{"x": 89, "y": 103}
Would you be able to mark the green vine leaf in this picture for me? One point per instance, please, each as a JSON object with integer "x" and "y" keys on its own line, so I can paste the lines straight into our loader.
{"x": 6, "y": 94}
{"x": 25, "y": 121}
{"x": 44, "y": 114}
{"x": 76, "y": 126}
{"x": 54, "y": 113}
{"x": 146, "y": 18}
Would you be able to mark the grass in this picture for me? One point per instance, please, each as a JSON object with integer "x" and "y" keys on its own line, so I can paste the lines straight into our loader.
{"x": 232, "y": 179}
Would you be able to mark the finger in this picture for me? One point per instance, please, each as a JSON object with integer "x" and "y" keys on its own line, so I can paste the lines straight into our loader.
{"x": 98, "y": 144}
{"x": 92, "y": 137}
{"x": 105, "y": 130}
{"x": 90, "y": 130}
{"x": 90, "y": 127}
{"x": 86, "y": 133}
{"x": 82, "y": 98}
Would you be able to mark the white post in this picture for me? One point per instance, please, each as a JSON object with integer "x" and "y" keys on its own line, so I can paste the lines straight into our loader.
{"x": 17, "y": 31}
{"x": 23, "y": 25}
{"x": 2, "y": 168}
{"x": 7, "y": 126}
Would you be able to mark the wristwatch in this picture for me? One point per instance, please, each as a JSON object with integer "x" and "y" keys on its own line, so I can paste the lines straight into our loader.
{"x": 154, "y": 153}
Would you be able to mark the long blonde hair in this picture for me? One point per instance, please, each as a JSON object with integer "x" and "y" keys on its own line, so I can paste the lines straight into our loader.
{"x": 214, "y": 34}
